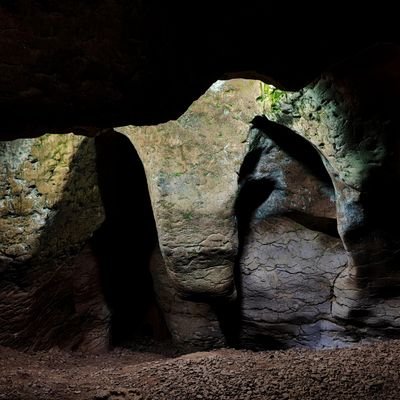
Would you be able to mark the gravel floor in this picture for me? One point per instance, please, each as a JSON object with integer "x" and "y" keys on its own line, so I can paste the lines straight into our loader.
{"x": 364, "y": 372}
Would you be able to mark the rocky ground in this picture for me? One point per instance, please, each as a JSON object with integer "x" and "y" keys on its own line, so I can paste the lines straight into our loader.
{"x": 364, "y": 372}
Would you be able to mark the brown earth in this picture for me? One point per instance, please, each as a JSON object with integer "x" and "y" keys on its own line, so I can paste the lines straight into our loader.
{"x": 363, "y": 372}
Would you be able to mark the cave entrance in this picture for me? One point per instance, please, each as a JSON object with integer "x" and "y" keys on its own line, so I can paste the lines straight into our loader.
{"x": 124, "y": 243}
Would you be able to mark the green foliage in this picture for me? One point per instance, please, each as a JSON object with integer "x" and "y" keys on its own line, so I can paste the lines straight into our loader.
{"x": 263, "y": 93}
{"x": 269, "y": 94}
{"x": 188, "y": 215}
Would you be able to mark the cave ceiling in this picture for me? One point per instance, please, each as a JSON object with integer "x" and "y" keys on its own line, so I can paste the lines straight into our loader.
{"x": 65, "y": 65}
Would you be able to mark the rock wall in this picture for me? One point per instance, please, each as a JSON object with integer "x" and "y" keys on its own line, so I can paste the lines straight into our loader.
{"x": 349, "y": 116}
{"x": 49, "y": 208}
{"x": 291, "y": 254}
{"x": 191, "y": 167}
{"x": 192, "y": 325}
{"x": 284, "y": 236}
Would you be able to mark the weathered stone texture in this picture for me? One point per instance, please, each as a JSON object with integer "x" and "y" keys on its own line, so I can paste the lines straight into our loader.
{"x": 47, "y": 182}
{"x": 349, "y": 116}
{"x": 288, "y": 265}
{"x": 288, "y": 273}
{"x": 191, "y": 167}
{"x": 316, "y": 219}
{"x": 191, "y": 324}
{"x": 49, "y": 207}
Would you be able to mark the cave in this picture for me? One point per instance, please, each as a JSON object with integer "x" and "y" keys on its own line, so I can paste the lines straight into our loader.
{"x": 211, "y": 178}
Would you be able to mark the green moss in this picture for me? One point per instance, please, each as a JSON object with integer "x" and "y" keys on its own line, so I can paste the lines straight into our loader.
{"x": 188, "y": 215}
{"x": 270, "y": 96}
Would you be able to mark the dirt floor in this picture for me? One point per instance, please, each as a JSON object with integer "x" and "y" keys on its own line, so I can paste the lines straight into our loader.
{"x": 364, "y": 372}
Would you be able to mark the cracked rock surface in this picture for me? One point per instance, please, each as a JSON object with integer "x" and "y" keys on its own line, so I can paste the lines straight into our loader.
{"x": 290, "y": 256}
{"x": 348, "y": 116}
{"x": 288, "y": 273}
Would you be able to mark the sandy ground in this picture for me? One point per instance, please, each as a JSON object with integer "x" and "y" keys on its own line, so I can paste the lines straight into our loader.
{"x": 364, "y": 372}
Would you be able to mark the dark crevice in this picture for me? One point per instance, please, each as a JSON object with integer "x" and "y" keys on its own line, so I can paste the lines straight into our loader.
{"x": 252, "y": 194}
{"x": 249, "y": 163}
{"x": 294, "y": 146}
{"x": 319, "y": 224}
{"x": 125, "y": 241}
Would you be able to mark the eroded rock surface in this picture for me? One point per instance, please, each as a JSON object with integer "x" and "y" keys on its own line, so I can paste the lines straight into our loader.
{"x": 288, "y": 274}
{"x": 315, "y": 229}
{"x": 291, "y": 255}
{"x": 349, "y": 115}
{"x": 192, "y": 325}
{"x": 49, "y": 207}
{"x": 191, "y": 166}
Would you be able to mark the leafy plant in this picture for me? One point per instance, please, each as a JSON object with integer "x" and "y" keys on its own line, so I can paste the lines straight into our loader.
{"x": 269, "y": 94}
{"x": 188, "y": 215}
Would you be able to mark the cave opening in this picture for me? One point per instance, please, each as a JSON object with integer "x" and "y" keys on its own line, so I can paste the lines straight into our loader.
{"x": 125, "y": 242}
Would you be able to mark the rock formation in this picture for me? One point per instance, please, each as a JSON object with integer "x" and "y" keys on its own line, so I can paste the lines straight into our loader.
{"x": 191, "y": 167}
{"x": 193, "y": 209}
{"x": 49, "y": 207}
{"x": 290, "y": 252}
{"x": 284, "y": 236}
{"x": 348, "y": 115}
{"x": 65, "y": 65}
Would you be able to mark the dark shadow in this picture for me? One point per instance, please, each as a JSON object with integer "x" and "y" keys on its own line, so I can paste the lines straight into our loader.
{"x": 251, "y": 194}
{"x": 253, "y": 191}
{"x": 126, "y": 239}
{"x": 42, "y": 288}
{"x": 319, "y": 224}
{"x": 295, "y": 146}
{"x": 249, "y": 163}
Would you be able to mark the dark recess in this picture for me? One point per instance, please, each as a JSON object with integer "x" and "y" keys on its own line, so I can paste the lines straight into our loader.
{"x": 295, "y": 146}
{"x": 253, "y": 192}
{"x": 125, "y": 241}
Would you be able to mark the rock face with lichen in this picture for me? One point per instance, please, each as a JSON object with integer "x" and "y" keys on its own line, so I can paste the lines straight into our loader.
{"x": 284, "y": 236}
{"x": 348, "y": 115}
{"x": 49, "y": 207}
{"x": 191, "y": 166}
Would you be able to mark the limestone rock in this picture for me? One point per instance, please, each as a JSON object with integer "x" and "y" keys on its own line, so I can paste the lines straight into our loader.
{"x": 49, "y": 207}
{"x": 192, "y": 325}
{"x": 349, "y": 117}
{"x": 290, "y": 256}
{"x": 191, "y": 166}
